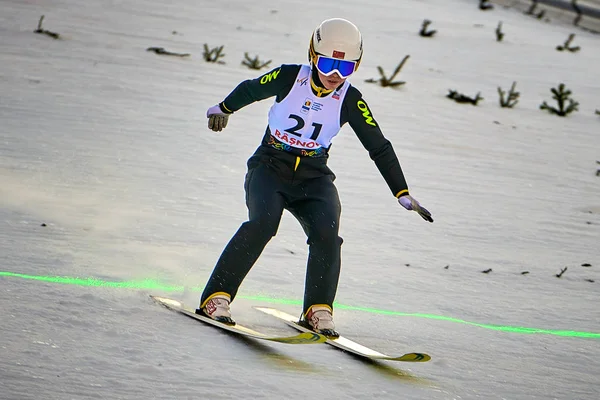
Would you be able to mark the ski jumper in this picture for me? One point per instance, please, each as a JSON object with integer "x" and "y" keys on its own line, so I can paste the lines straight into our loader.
{"x": 289, "y": 171}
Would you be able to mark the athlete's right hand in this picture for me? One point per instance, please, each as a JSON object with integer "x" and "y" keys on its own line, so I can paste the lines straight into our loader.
{"x": 217, "y": 119}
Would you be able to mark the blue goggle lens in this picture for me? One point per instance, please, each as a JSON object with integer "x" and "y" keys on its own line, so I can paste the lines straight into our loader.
{"x": 328, "y": 66}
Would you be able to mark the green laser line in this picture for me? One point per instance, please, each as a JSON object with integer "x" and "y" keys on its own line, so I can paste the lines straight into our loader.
{"x": 151, "y": 284}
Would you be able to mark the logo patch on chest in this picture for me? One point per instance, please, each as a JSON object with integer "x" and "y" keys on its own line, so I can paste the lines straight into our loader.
{"x": 316, "y": 106}
{"x": 302, "y": 81}
{"x": 310, "y": 105}
{"x": 306, "y": 106}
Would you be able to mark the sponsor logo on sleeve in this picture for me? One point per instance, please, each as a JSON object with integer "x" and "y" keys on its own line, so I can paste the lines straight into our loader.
{"x": 366, "y": 113}
{"x": 266, "y": 78}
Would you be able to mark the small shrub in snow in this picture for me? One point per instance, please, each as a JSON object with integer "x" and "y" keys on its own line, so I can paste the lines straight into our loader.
{"x": 567, "y": 45}
{"x": 577, "y": 11}
{"x": 42, "y": 31}
{"x": 461, "y": 98}
{"x": 385, "y": 81}
{"x": 485, "y": 5}
{"x": 424, "y": 32}
{"x": 499, "y": 33}
{"x": 213, "y": 55}
{"x": 533, "y": 10}
{"x": 511, "y": 99}
{"x": 254, "y": 63}
{"x": 162, "y": 51}
{"x": 566, "y": 105}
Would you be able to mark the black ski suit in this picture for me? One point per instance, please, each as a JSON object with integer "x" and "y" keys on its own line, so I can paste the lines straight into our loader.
{"x": 303, "y": 185}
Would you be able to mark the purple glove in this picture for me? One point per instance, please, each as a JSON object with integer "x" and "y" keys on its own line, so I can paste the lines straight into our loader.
{"x": 411, "y": 204}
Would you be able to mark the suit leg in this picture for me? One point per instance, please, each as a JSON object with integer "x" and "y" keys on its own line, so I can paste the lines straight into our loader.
{"x": 265, "y": 207}
{"x": 319, "y": 214}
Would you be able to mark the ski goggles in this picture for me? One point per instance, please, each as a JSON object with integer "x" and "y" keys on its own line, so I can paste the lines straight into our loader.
{"x": 327, "y": 66}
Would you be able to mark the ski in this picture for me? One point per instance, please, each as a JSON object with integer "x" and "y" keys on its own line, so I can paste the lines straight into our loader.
{"x": 344, "y": 343}
{"x": 177, "y": 306}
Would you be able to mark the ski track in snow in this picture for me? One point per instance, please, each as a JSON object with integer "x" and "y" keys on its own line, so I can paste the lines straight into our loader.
{"x": 107, "y": 145}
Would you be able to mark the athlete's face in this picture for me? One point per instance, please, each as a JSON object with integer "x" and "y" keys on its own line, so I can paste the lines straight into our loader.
{"x": 332, "y": 81}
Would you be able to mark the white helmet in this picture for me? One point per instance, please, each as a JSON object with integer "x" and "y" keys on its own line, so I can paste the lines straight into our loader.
{"x": 337, "y": 38}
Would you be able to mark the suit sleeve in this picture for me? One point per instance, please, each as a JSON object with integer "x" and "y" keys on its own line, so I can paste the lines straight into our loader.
{"x": 277, "y": 82}
{"x": 357, "y": 113}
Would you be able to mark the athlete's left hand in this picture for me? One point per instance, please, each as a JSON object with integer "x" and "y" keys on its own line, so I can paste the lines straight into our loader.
{"x": 411, "y": 204}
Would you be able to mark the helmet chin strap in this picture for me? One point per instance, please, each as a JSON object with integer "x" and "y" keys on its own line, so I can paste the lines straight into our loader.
{"x": 315, "y": 83}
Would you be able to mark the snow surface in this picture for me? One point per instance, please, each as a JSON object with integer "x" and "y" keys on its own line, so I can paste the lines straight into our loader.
{"x": 107, "y": 145}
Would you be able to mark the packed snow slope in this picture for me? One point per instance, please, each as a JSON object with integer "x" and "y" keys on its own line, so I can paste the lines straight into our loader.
{"x": 108, "y": 172}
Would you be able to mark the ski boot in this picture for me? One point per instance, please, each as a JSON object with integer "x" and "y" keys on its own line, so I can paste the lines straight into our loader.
{"x": 319, "y": 318}
{"x": 217, "y": 308}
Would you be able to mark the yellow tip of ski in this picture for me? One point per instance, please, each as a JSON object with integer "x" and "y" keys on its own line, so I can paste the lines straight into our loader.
{"x": 346, "y": 344}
